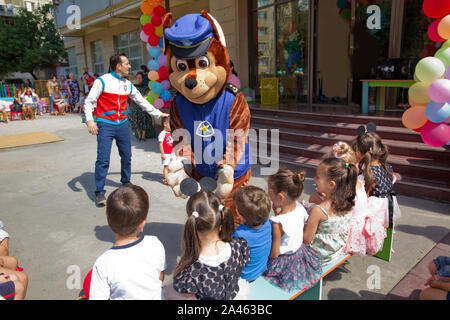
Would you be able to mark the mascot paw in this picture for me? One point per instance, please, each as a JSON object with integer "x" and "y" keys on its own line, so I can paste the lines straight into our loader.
{"x": 225, "y": 181}
{"x": 176, "y": 176}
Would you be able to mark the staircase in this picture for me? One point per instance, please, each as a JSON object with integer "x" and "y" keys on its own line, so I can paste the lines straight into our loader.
{"x": 305, "y": 137}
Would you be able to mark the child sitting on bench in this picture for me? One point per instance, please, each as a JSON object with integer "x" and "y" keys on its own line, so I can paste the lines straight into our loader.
{"x": 253, "y": 206}
{"x": 328, "y": 224}
{"x": 292, "y": 265}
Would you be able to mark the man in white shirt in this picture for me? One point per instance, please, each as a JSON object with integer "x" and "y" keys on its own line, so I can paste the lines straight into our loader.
{"x": 108, "y": 96}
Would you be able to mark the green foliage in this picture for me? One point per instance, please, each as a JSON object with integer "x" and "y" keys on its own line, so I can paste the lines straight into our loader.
{"x": 31, "y": 41}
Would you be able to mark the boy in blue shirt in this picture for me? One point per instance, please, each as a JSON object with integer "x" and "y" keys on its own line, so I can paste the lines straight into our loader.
{"x": 253, "y": 206}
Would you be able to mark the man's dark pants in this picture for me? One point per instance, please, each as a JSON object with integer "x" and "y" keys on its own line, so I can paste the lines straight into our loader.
{"x": 106, "y": 134}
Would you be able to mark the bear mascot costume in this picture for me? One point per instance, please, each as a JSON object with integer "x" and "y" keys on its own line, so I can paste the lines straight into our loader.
{"x": 209, "y": 118}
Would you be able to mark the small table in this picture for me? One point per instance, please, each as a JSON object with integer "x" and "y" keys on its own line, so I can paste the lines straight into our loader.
{"x": 381, "y": 94}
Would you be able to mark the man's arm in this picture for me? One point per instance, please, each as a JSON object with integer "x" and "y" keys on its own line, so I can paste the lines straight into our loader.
{"x": 137, "y": 97}
{"x": 90, "y": 103}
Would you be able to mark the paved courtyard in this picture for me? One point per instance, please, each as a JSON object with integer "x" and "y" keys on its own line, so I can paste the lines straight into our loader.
{"x": 57, "y": 232}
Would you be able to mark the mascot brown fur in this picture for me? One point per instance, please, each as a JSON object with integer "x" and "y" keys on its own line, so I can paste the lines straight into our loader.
{"x": 211, "y": 72}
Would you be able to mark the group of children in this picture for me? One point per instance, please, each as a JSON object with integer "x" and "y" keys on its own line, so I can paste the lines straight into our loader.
{"x": 353, "y": 206}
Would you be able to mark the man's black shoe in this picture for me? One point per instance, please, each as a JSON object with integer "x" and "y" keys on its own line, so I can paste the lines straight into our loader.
{"x": 100, "y": 199}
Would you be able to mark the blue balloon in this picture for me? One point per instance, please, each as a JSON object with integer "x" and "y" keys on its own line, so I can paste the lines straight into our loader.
{"x": 157, "y": 88}
{"x": 166, "y": 95}
{"x": 437, "y": 112}
{"x": 153, "y": 65}
{"x": 161, "y": 42}
{"x": 155, "y": 52}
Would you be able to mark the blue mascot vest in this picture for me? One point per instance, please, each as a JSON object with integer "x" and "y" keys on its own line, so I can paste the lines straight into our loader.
{"x": 208, "y": 123}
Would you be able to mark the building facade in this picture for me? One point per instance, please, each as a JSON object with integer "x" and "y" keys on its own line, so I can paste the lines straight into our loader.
{"x": 318, "y": 49}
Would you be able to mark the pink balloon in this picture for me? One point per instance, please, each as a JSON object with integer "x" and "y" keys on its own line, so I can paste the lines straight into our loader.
{"x": 433, "y": 31}
{"x": 436, "y": 134}
{"x": 159, "y": 103}
{"x": 166, "y": 84}
{"x": 447, "y": 73}
{"x": 162, "y": 60}
{"x": 439, "y": 90}
{"x": 144, "y": 37}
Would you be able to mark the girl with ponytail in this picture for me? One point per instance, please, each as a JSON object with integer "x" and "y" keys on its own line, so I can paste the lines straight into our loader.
{"x": 328, "y": 224}
{"x": 292, "y": 265}
{"x": 212, "y": 260}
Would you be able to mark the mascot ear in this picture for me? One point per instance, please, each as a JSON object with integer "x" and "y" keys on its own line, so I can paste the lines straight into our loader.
{"x": 217, "y": 29}
{"x": 167, "y": 24}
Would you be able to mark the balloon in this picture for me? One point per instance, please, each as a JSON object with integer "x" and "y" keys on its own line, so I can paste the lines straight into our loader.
{"x": 154, "y": 3}
{"x": 166, "y": 84}
{"x": 151, "y": 83}
{"x": 156, "y": 21}
{"x": 436, "y": 134}
{"x": 438, "y": 112}
{"x": 439, "y": 90}
{"x": 164, "y": 74}
{"x": 420, "y": 129}
{"x": 157, "y": 88}
{"x": 430, "y": 69}
{"x": 418, "y": 92}
{"x": 153, "y": 40}
{"x": 148, "y": 29}
{"x": 346, "y": 14}
{"x": 147, "y": 8}
{"x": 159, "y": 103}
{"x": 153, "y": 75}
{"x": 433, "y": 32}
{"x": 166, "y": 95}
{"x": 436, "y": 8}
{"x": 444, "y": 27}
{"x": 159, "y": 11}
{"x": 161, "y": 42}
{"x": 155, "y": 52}
{"x": 415, "y": 104}
{"x": 446, "y": 45}
{"x": 162, "y": 60}
{"x": 167, "y": 104}
{"x": 154, "y": 95}
{"x": 150, "y": 99}
{"x": 145, "y": 18}
{"x": 414, "y": 118}
{"x": 153, "y": 65}
{"x": 159, "y": 31}
{"x": 444, "y": 56}
{"x": 143, "y": 36}
{"x": 447, "y": 74}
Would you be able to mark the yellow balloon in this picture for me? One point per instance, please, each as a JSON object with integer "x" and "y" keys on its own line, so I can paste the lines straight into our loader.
{"x": 444, "y": 27}
{"x": 445, "y": 45}
{"x": 419, "y": 92}
{"x": 159, "y": 31}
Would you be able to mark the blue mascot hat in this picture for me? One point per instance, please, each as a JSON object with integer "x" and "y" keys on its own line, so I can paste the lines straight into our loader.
{"x": 190, "y": 36}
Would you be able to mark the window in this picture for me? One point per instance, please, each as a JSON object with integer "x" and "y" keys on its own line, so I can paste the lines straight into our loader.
{"x": 72, "y": 59}
{"x": 262, "y": 31}
{"x": 97, "y": 57}
{"x": 29, "y": 6}
{"x": 130, "y": 44}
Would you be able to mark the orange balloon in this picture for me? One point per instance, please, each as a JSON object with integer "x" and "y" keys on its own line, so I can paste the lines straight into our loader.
{"x": 147, "y": 8}
{"x": 153, "y": 75}
{"x": 154, "y": 3}
{"x": 415, "y": 104}
{"x": 444, "y": 27}
{"x": 414, "y": 118}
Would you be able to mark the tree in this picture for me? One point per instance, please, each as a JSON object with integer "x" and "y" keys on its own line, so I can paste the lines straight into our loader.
{"x": 31, "y": 41}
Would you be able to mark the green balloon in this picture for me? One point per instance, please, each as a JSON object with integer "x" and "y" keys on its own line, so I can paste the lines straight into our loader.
{"x": 429, "y": 69}
{"x": 145, "y": 19}
{"x": 446, "y": 45}
{"x": 150, "y": 99}
{"x": 443, "y": 54}
{"x": 418, "y": 92}
{"x": 151, "y": 83}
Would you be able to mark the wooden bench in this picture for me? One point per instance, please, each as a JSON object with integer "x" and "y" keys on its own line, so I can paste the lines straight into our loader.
{"x": 261, "y": 289}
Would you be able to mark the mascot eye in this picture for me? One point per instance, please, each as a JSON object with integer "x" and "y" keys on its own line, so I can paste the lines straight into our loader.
{"x": 203, "y": 62}
{"x": 182, "y": 65}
